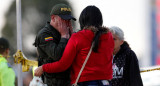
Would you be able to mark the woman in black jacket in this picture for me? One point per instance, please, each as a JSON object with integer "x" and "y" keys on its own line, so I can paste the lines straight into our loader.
{"x": 125, "y": 63}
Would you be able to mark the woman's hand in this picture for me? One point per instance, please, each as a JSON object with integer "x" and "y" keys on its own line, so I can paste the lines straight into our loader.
{"x": 38, "y": 71}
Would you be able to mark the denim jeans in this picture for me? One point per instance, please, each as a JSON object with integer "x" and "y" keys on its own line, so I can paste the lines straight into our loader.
{"x": 94, "y": 83}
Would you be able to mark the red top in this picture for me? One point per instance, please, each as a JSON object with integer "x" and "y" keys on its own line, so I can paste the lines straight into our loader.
{"x": 99, "y": 65}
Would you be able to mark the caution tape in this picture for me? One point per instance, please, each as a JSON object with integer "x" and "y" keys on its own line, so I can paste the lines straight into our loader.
{"x": 148, "y": 70}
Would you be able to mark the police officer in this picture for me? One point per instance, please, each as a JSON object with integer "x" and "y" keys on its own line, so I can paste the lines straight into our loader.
{"x": 51, "y": 41}
{"x": 7, "y": 75}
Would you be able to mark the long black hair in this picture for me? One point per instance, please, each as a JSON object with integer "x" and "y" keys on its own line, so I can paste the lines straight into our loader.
{"x": 92, "y": 16}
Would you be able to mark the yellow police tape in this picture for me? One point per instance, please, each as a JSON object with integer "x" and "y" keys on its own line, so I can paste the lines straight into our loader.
{"x": 26, "y": 63}
{"x": 148, "y": 70}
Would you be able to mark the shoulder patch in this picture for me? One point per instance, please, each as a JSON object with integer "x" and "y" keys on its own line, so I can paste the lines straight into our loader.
{"x": 48, "y": 38}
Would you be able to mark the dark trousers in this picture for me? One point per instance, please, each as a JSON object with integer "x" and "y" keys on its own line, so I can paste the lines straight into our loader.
{"x": 94, "y": 83}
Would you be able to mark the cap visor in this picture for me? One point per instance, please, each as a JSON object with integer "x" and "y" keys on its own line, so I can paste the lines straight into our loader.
{"x": 67, "y": 17}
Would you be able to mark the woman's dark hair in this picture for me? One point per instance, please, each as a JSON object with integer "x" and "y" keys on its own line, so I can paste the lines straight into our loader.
{"x": 91, "y": 16}
{"x": 4, "y": 44}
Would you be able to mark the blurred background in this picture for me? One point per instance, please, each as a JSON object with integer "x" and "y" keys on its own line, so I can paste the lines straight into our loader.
{"x": 139, "y": 19}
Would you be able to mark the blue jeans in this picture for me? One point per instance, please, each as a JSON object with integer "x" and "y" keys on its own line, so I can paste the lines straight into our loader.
{"x": 94, "y": 83}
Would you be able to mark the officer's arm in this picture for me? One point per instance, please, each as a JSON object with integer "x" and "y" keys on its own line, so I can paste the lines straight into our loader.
{"x": 49, "y": 46}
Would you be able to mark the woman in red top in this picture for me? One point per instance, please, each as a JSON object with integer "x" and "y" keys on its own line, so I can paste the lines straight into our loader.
{"x": 98, "y": 69}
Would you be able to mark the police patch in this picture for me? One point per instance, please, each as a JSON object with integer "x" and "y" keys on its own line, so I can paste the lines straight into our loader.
{"x": 48, "y": 38}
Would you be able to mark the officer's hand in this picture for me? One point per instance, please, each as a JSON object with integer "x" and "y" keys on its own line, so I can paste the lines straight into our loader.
{"x": 38, "y": 71}
{"x": 70, "y": 28}
{"x": 63, "y": 27}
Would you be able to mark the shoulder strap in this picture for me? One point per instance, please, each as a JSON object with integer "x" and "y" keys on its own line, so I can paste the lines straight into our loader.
{"x": 89, "y": 53}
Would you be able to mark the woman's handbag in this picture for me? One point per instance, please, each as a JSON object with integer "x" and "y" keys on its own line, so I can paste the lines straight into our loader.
{"x": 89, "y": 53}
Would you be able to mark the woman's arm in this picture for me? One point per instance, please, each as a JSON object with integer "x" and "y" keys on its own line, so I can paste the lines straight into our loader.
{"x": 61, "y": 65}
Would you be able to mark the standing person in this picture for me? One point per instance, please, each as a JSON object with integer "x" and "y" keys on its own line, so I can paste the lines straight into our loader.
{"x": 7, "y": 75}
{"x": 98, "y": 69}
{"x": 51, "y": 41}
{"x": 126, "y": 70}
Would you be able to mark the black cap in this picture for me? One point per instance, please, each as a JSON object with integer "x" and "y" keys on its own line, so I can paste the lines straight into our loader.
{"x": 63, "y": 11}
{"x": 4, "y": 44}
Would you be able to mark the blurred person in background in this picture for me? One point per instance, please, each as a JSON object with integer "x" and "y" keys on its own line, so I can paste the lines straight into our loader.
{"x": 98, "y": 69}
{"x": 28, "y": 76}
{"x": 7, "y": 75}
{"x": 126, "y": 70}
{"x": 51, "y": 41}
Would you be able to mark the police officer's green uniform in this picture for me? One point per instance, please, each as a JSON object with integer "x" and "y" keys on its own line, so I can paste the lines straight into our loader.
{"x": 7, "y": 75}
{"x": 50, "y": 48}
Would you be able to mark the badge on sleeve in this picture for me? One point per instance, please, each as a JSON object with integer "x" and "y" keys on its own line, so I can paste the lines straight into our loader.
{"x": 48, "y": 38}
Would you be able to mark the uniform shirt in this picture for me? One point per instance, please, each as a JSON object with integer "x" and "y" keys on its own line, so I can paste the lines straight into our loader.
{"x": 99, "y": 65}
{"x": 126, "y": 68}
{"x": 50, "y": 47}
{"x": 7, "y": 75}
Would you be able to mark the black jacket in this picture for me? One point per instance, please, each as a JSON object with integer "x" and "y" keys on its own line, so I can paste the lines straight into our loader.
{"x": 50, "y": 47}
{"x": 126, "y": 70}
